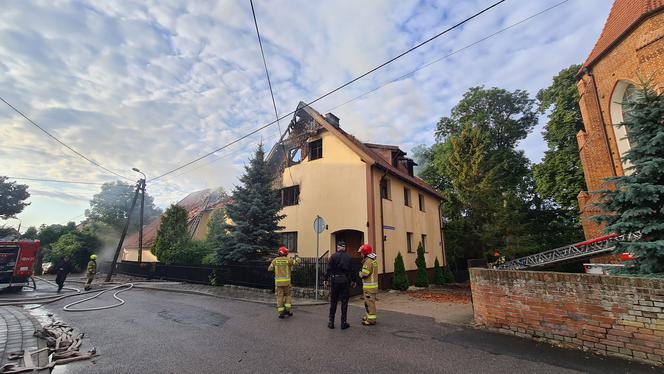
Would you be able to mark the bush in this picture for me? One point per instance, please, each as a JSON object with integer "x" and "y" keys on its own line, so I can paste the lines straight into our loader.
{"x": 400, "y": 279}
{"x": 449, "y": 276}
{"x": 421, "y": 278}
{"x": 77, "y": 245}
{"x": 438, "y": 277}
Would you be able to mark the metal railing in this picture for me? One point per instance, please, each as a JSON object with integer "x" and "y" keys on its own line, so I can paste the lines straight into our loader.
{"x": 576, "y": 251}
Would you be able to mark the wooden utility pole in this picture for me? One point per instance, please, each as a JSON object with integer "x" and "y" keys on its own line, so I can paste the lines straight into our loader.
{"x": 140, "y": 228}
{"x": 124, "y": 232}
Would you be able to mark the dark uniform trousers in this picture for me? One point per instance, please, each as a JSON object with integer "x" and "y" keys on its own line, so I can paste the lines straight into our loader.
{"x": 340, "y": 291}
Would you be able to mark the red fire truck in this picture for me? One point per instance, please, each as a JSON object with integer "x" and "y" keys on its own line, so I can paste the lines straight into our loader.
{"x": 16, "y": 261}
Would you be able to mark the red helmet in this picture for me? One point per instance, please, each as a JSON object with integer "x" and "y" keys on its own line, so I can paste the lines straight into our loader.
{"x": 365, "y": 249}
{"x": 283, "y": 251}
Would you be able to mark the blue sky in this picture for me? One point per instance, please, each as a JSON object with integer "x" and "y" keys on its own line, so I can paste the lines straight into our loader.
{"x": 154, "y": 84}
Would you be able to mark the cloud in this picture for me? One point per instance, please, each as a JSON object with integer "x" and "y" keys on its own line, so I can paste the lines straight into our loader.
{"x": 155, "y": 84}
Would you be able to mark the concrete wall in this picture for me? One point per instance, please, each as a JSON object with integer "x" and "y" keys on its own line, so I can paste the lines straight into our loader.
{"x": 617, "y": 316}
{"x": 639, "y": 55}
{"x": 333, "y": 187}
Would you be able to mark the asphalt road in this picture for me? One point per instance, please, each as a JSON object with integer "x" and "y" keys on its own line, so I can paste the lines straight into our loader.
{"x": 162, "y": 332}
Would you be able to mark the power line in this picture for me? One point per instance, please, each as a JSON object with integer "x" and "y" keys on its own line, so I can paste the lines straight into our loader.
{"x": 60, "y": 141}
{"x": 56, "y": 181}
{"x": 269, "y": 83}
{"x": 458, "y": 24}
{"x": 449, "y": 54}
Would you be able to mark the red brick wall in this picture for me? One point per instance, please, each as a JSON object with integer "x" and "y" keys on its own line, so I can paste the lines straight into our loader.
{"x": 639, "y": 55}
{"x": 617, "y": 316}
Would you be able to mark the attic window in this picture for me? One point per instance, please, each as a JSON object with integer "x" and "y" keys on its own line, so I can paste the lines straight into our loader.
{"x": 316, "y": 149}
{"x": 294, "y": 156}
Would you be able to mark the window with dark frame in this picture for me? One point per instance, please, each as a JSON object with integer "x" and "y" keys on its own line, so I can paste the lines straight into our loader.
{"x": 289, "y": 240}
{"x": 290, "y": 195}
{"x": 385, "y": 189}
{"x": 316, "y": 149}
{"x": 421, "y": 199}
{"x": 409, "y": 242}
{"x": 406, "y": 197}
{"x": 424, "y": 242}
{"x": 294, "y": 156}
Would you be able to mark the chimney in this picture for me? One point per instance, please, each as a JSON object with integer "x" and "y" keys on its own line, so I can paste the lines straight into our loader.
{"x": 332, "y": 119}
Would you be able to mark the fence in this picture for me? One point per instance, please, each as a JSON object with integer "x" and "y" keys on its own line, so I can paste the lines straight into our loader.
{"x": 249, "y": 273}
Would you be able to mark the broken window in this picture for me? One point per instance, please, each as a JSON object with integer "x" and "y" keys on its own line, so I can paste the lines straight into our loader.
{"x": 294, "y": 156}
{"x": 290, "y": 195}
{"x": 385, "y": 189}
{"x": 316, "y": 149}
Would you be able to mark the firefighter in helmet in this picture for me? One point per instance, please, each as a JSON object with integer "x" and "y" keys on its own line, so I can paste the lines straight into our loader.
{"x": 369, "y": 275}
{"x": 91, "y": 271}
{"x": 282, "y": 266}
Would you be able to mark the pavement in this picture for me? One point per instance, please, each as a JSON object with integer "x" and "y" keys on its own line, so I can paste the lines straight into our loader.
{"x": 16, "y": 328}
{"x": 168, "y": 332}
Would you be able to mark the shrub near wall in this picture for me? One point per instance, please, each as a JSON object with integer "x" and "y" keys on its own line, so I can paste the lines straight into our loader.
{"x": 617, "y": 316}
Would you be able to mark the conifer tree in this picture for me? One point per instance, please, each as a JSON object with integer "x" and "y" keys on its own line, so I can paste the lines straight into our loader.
{"x": 172, "y": 235}
{"x": 636, "y": 203}
{"x": 254, "y": 213}
{"x": 421, "y": 278}
{"x": 400, "y": 279}
{"x": 438, "y": 277}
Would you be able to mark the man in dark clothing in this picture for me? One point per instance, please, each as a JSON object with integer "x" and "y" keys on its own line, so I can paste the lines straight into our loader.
{"x": 339, "y": 276}
{"x": 61, "y": 270}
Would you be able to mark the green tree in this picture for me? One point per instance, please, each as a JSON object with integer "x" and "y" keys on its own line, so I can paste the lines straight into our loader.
{"x": 560, "y": 176}
{"x": 254, "y": 213}
{"x": 438, "y": 277}
{"x": 172, "y": 236}
{"x": 219, "y": 236}
{"x": 111, "y": 206}
{"x": 421, "y": 277}
{"x": 400, "y": 278}
{"x": 12, "y": 198}
{"x": 636, "y": 204}
{"x": 30, "y": 233}
{"x": 75, "y": 244}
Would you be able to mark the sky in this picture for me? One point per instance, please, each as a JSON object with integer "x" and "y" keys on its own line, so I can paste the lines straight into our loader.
{"x": 155, "y": 84}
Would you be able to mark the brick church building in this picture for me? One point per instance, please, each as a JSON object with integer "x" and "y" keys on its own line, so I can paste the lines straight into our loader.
{"x": 630, "y": 48}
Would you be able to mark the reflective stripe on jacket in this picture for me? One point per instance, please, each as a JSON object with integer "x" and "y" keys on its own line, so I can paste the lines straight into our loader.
{"x": 281, "y": 266}
{"x": 369, "y": 274}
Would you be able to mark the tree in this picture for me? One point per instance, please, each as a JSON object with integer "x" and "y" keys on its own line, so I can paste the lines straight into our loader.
{"x": 219, "y": 236}
{"x": 421, "y": 277}
{"x": 438, "y": 277}
{"x": 254, "y": 213}
{"x": 12, "y": 198}
{"x": 30, "y": 233}
{"x": 172, "y": 235}
{"x": 75, "y": 244}
{"x": 636, "y": 203}
{"x": 400, "y": 278}
{"x": 560, "y": 176}
{"x": 111, "y": 206}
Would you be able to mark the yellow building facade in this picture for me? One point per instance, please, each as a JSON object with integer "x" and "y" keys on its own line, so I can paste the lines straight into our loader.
{"x": 366, "y": 193}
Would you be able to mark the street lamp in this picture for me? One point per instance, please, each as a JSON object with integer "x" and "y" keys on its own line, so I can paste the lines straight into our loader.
{"x": 140, "y": 223}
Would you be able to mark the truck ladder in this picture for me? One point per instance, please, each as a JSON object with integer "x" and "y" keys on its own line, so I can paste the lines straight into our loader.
{"x": 588, "y": 248}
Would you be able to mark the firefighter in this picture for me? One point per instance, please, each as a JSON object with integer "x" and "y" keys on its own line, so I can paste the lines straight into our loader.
{"x": 282, "y": 266}
{"x": 92, "y": 269}
{"x": 369, "y": 275}
{"x": 61, "y": 270}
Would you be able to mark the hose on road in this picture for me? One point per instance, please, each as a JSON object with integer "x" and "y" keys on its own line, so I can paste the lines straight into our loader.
{"x": 122, "y": 288}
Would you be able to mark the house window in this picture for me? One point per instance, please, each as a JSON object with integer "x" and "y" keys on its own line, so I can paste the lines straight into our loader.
{"x": 623, "y": 93}
{"x": 406, "y": 197}
{"x": 294, "y": 156}
{"x": 385, "y": 189}
{"x": 289, "y": 240}
{"x": 316, "y": 149}
{"x": 409, "y": 242}
{"x": 290, "y": 195}
{"x": 421, "y": 199}
{"x": 424, "y": 242}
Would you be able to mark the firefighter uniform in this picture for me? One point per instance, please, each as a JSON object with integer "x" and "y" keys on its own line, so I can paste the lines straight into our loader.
{"x": 282, "y": 266}
{"x": 369, "y": 274}
{"x": 91, "y": 271}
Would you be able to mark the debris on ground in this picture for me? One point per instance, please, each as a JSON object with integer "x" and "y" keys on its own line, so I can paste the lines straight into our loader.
{"x": 456, "y": 295}
{"x": 62, "y": 343}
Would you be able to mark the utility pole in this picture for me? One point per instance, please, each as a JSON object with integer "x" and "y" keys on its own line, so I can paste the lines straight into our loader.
{"x": 124, "y": 232}
{"x": 140, "y": 219}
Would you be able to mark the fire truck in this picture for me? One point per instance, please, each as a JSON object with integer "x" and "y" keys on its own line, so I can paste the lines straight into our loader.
{"x": 16, "y": 261}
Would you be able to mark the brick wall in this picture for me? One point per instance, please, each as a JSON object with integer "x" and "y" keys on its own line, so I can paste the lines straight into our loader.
{"x": 617, "y": 316}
